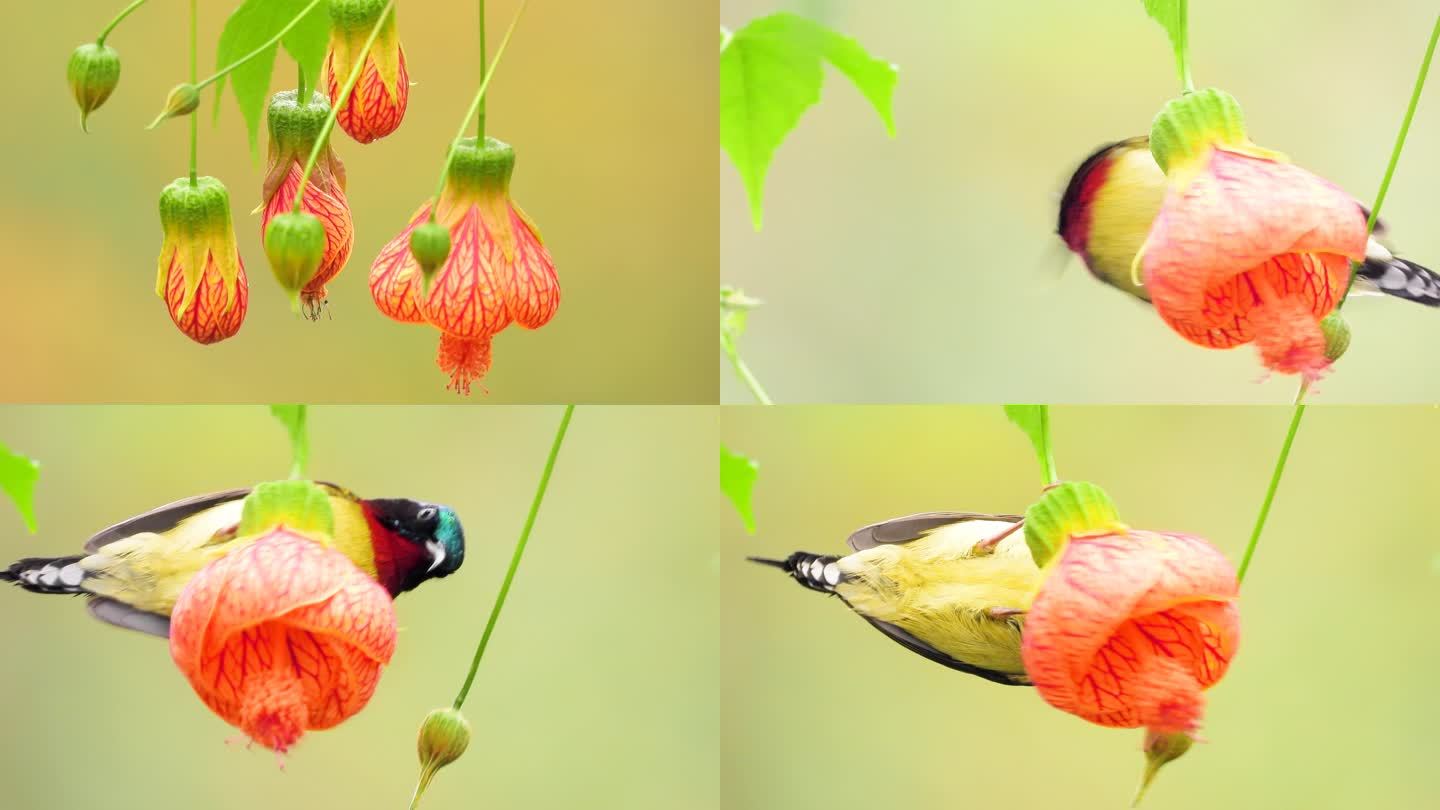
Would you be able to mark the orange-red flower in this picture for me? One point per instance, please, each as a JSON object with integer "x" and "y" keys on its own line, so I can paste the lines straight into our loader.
{"x": 282, "y": 636}
{"x": 376, "y": 105}
{"x": 1247, "y": 247}
{"x": 201, "y": 277}
{"x": 1130, "y": 627}
{"x": 293, "y": 130}
{"x": 498, "y": 270}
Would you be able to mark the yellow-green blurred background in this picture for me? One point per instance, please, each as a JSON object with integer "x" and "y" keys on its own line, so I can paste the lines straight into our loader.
{"x": 610, "y": 107}
{"x": 598, "y": 688}
{"x": 1329, "y": 704}
{"x": 924, "y": 269}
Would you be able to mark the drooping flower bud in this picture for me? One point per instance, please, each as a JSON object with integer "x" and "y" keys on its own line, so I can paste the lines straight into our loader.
{"x": 295, "y": 246}
{"x": 294, "y": 128}
{"x": 376, "y": 105}
{"x": 183, "y": 100}
{"x": 430, "y": 245}
{"x": 201, "y": 277}
{"x": 1337, "y": 335}
{"x": 1160, "y": 749}
{"x": 93, "y": 73}
{"x": 444, "y": 736}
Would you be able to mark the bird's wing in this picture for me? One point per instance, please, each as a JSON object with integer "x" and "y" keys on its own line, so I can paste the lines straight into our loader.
{"x": 167, "y": 517}
{"x": 162, "y": 519}
{"x": 919, "y": 647}
{"x": 122, "y": 615}
{"x": 913, "y": 527}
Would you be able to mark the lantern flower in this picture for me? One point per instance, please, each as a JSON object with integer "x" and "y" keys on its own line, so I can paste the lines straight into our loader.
{"x": 497, "y": 270}
{"x": 294, "y": 128}
{"x": 93, "y": 73}
{"x": 282, "y": 636}
{"x": 377, "y": 103}
{"x": 201, "y": 277}
{"x": 1129, "y": 627}
{"x": 1247, "y": 247}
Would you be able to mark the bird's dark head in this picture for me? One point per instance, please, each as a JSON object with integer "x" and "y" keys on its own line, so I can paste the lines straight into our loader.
{"x": 425, "y": 541}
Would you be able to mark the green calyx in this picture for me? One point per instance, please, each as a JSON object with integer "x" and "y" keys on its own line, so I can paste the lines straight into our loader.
{"x": 430, "y": 245}
{"x": 1337, "y": 336}
{"x": 476, "y": 168}
{"x": 294, "y": 127}
{"x": 297, "y": 505}
{"x": 357, "y": 15}
{"x": 93, "y": 73}
{"x": 191, "y": 210}
{"x": 1064, "y": 511}
{"x": 295, "y": 246}
{"x": 1190, "y": 125}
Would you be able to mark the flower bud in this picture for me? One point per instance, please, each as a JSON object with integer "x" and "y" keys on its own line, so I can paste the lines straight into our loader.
{"x": 1160, "y": 749}
{"x": 295, "y": 245}
{"x": 183, "y": 100}
{"x": 1337, "y": 335}
{"x": 444, "y": 736}
{"x": 430, "y": 245}
{"x": 93, "y": 72}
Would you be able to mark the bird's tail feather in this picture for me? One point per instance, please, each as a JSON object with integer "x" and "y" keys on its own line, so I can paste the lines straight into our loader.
{"x": 817, "y": 572}
{"x": 62, "y": 575}
{"x": 1401, "y": 278}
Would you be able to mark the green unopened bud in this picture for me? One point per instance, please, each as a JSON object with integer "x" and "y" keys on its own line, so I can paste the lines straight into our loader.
{"x": 295, "y": 246}
{"x": 444, "y": 736}
{"x": 93, "y": 73}
{"x": 1159, "y": 750}
{"x": 430, "y": 245}
{"x": 1337, "y": 336}
{"x": 183, "y": 100}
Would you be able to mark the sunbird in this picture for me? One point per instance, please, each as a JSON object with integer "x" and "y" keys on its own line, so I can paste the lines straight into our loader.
{"x": 1115, "y": 194}
{"x": 951, "y": 586}
{"x": 134, "y": 571}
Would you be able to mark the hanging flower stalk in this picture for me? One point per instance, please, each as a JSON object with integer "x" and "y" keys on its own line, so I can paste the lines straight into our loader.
{"x": 470, "y": 262}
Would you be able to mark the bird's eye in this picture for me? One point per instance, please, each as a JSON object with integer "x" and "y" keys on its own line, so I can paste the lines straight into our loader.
{"x": 427, "y": 515}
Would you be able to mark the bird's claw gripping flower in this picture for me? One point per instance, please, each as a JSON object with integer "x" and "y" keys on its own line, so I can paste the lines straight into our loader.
{"x": 444, "y": 736}
{"x": 283, "y": 636}
{"x": 295, "y": 246}
{"x": 201, "y": 277}
{"x": 376, "y": 105}
{"x": 93, "y": 73}
{"x": 498, "y": 270}
{"x": 183, "y": 100}
{"x": 1247, "y": 247}
{"x": 293, "y": 130}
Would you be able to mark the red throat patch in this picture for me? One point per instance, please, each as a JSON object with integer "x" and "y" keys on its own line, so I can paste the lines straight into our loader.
{"x": 395, "y": 557}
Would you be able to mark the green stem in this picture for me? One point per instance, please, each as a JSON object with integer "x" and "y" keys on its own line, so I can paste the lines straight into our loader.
{"x": 194, "y": 71}
{"x": 270, "y": 43}
{"x": 476, "y": 105}
{"x": 340, "y": 100}
{"x": 1399, "y": 142}
{"x": 100, "y": 40}
{"x": 1182, "y": 49}
{"x": 1374, "y": 216}
{"x": 480, "y": 120}
{"x": 302, "y": 92}
{"x": 743, "y": 372}
{"x": 519, "y": 552}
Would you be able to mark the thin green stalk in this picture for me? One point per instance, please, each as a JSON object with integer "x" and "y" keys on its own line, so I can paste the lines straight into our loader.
{"x": 743, "y": 372}
{"x": 476, "y": 105}
{"x": 302, "y": 92}
{"x": 194, "y": 71}
{"x": 519, "y": 552}
{"x": 340, "y": 101}
{"x": 480, "y": 121}
{"x": 1299, "y": 411}
{"x": 1182, "y": 49}
{"x": 100, "y": 40}
{"x": 269, "y": 43}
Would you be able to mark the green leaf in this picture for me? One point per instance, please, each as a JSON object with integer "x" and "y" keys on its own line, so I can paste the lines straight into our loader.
{"x": 293, "y": 417}
{"x": 770, "y": 74}
{"x": 737, "y": 482}
{"x": 297, "y": 505}
{"x": 253, "y": 24}
{"x": 1072, "y": 508}
{"x": 1171, "y": 15}
{"x": 18, "y": 475}
{"x": 1034, "y": 420}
